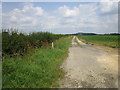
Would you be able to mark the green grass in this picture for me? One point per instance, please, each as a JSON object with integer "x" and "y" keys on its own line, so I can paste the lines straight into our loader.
{"x": 104, "y": 40}
{"x": 40, "y": 69}
{"x": 0, "y": 73}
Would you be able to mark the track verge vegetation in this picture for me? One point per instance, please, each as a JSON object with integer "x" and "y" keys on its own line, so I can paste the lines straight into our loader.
{"x": 15, "y": 43}
{"x": 38, "y": 69}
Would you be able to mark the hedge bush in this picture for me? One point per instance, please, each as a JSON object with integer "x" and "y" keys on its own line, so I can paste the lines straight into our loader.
{"x": 14, "y": 43}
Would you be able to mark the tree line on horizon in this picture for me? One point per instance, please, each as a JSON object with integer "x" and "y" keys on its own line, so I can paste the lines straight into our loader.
{"x": 94, "y": 34}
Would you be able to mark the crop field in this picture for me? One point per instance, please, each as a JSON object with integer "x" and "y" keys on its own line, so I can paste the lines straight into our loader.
{"x": 104, "y": 40}
{"x": 38, "y": 68}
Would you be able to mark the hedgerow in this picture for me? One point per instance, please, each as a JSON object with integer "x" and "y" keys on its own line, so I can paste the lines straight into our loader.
{"x": 14, "y": 43}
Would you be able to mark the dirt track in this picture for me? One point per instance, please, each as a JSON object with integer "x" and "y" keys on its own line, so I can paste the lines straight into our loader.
{"x": 88, "y": 66}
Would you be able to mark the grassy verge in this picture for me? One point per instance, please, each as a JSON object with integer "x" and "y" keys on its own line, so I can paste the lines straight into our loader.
{"x": 40, "y": 69}
{"x": 104, "y": 40}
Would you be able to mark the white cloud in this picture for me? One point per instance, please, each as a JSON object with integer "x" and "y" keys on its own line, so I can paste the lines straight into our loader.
{"x": 30, "y": 9}
{"x": 67, "y": 12}
{"x": 0, "y": 17}
{"x": 108, "y": 7}
{"x": 90, "y": 17}
{"x": 23, "y": 18}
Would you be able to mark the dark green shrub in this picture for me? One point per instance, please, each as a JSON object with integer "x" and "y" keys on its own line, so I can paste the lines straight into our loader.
{"x": 15, "y": 43}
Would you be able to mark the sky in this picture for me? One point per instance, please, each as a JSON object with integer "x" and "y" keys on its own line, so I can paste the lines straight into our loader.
{"x": 61, "y": 17}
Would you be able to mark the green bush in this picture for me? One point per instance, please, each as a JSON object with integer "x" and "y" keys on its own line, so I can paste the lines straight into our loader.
{"x": 15, "y": 43}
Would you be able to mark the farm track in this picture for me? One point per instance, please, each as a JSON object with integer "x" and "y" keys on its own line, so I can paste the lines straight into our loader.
{"x": 88, "y": 66}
